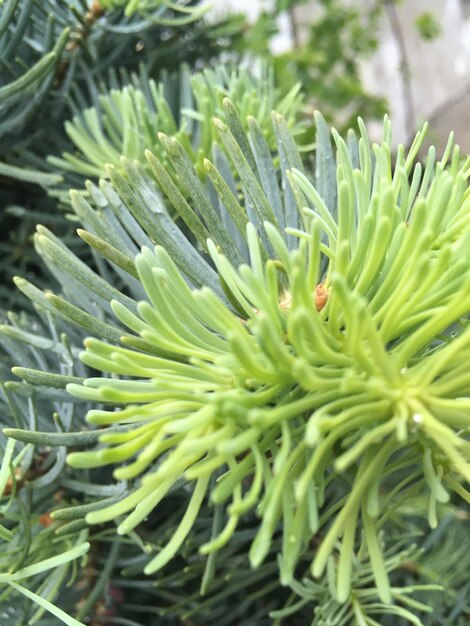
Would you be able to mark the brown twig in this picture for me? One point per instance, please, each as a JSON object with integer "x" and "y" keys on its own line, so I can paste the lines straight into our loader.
{"x": 78, "y": 35}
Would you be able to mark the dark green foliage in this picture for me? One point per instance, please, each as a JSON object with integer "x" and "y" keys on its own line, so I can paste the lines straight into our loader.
{"x": 52, "y": 50}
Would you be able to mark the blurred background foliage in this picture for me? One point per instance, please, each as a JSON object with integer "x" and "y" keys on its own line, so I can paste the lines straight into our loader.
{"x": 325, "y": 57}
